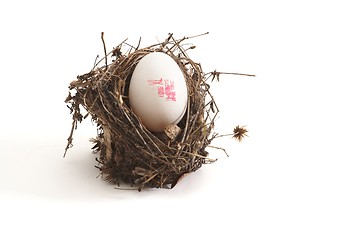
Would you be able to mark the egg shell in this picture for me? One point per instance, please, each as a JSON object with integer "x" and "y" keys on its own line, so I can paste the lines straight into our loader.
{"x": 158, "y": 91}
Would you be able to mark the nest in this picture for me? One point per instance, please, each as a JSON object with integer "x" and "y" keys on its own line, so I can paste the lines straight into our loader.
{"x": 128, "y": 152}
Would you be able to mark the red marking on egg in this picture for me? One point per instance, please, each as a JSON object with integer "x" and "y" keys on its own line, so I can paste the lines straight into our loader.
{"x": 165, "y": 88}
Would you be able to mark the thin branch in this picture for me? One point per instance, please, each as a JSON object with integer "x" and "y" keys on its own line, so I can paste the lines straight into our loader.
{"x": 70, "y": 138}
{"x": 216, "y": 74}
{"x": 138, "y": 44}
{"x": 220, "y": 149}
{"x": 224, "y": 135}
{"x": 238, "y": 133}
{"x": 176, "y": 41}
{"x": 199, "y": 35}
{"x": 241, "y": 74}
{"x": 103, "y": 41}
{"x": 101, "y": 59}
{"x": 97, "y": 57}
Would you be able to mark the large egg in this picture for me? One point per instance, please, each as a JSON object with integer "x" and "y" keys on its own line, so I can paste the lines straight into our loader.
{"x": 158, "y": 91}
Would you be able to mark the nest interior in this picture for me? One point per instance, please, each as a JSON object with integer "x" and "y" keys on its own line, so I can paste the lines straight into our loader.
{"x": 128, "y": 152}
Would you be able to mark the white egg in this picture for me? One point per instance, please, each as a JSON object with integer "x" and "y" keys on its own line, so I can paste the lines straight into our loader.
{"x": 158, "y": 91}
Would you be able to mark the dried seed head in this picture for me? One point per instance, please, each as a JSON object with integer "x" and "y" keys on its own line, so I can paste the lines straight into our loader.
{"x": 239, "y": 133}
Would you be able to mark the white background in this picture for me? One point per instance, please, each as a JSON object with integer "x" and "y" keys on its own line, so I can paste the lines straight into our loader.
{"x": 295, "y": 177}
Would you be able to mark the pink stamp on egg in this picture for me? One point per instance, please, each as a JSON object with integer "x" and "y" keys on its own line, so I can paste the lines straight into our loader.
{"x": 165, "y": 87}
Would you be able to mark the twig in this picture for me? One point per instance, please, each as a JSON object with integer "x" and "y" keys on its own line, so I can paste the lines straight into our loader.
{"x": 97, "y": 57}
{"x": 216, "y": 74}
{"x": 70, "y": 138}
{"x": 220, "y": 149}
{"x": 224, "y": 135}
{"x": 103, "y": 41}
{"x": 129, "y": 45}
{"x": 137, "y": 47}
{"x": 241, "y": 74}
{"x": 101, "y": 59}
{"x": 175, "y": 41}
{"x": 199, "y": 35}
{"x": 238, "y": 133}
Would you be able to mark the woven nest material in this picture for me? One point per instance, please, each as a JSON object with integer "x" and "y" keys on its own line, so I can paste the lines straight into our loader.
{"x": 128, "y": 152}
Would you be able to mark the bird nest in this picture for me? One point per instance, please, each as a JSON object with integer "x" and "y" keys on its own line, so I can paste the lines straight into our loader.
{"x": 128, "y": 152}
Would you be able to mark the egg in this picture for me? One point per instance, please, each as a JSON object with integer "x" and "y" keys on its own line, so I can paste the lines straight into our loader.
{"x": 158, "y": 91}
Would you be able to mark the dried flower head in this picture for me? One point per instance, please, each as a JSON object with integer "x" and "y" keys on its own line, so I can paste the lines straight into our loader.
{"x": 239, "y": 133}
